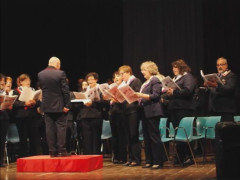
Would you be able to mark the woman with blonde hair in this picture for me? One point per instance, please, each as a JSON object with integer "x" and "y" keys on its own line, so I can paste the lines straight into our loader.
{"x": 151, "y": 112}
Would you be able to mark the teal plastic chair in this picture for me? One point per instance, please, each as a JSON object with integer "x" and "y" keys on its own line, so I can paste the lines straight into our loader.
{"x": 140, "y": 131}
{"x": 171, "y": 130}
{"x": 237, "y": 118}
{"x": 106, "y": 133}
{"x": 11, "y": 138}
{"x": 210, "y": 124}
{"x": 209, "y": 128}
{"x": 184, "y": 133}
{"x": 163, "y": 133}
{"x": 200, "y": 126}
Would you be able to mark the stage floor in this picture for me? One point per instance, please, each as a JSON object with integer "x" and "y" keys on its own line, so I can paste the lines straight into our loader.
{"x": 112, "y": 171}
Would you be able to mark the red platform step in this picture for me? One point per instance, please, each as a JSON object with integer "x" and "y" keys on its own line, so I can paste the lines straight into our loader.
{"x": 74, "y": 163}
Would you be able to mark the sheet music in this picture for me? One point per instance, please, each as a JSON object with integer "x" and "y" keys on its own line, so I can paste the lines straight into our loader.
{"x": 93, "y": 94}
{"x": 7, "y": 101}
{"x": 115, "y": 93}
{"x": 26, "y": 94}
{"x": 104, "y": 88}
{"x": 168, "y": 83}
{"x": 128, "y": 93}
{"x": 80, "y": 95}
{"x": 211, "y": 77}
{"x": 37, "y": 95}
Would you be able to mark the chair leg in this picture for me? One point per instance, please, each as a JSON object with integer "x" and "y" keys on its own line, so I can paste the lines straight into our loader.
{"x": 175, "y": 150}
{"x": 77, "y": 150}
{"x": 192, "y": 153}
{"x": 6, "y": 153}
{"x": 165, "y": 151}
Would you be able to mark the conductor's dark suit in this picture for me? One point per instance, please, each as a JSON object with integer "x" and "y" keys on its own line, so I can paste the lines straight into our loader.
{"x": 55, "y": 96}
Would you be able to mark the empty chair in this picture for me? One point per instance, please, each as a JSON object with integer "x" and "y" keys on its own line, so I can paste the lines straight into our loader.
{"x": 209, "y": 127}
{"x": 163, "y": 132}
{"x": 12, "y": 137}
{"x": 210, "y": 124}
{"x": 106, "y": 133}
{"x": 184, "y": 133}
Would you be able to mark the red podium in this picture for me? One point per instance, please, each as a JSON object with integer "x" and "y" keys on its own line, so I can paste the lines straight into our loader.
{"x": 74, "y": 163}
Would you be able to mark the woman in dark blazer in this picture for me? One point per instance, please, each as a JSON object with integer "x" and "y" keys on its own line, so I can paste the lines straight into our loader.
{"x": 27, "y": 120}
{"x": 4, "y": 121}
{"x": 131, "y": 115}
{"x": 151, "y": 112}
{"x": 118, "y": 127}
{"x": 181, "y": 102}
{"x": 91, "y": 116}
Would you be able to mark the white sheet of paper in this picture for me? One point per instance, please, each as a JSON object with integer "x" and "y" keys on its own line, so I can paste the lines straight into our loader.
{"x": 26, "y": 94}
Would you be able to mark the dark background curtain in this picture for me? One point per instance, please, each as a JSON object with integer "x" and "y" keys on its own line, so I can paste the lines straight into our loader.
{"x": 197, "y": 31}
{"x": 101, "y": 35}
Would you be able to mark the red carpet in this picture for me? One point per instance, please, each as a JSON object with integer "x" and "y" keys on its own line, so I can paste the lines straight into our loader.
{"x": 74, "y": 163}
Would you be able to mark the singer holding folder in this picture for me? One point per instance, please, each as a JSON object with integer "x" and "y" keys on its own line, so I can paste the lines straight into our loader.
{"x": 151, "y": 112}
{"x": 222, "y": 97}
{"x": 131, "y": 114}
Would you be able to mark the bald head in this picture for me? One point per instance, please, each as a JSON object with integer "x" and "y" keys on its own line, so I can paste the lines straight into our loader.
{"x": 55, "y": 62}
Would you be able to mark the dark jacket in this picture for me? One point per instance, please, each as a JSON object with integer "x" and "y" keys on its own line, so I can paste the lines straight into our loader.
{"x": 183, "y": 99}
{"x": 22, "y": 111}
{"x": 223, "y": 98}
{"x": 97, "y": 110}
{"x": 152, "y": 107}
{"x": 55, "y": 90}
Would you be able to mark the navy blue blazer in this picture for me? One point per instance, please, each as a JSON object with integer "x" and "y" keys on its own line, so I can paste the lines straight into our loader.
{"x": 224, "y": 97}
{"x": 153, "y": 106}
{"x": 183, "y": 99}
{"x": 55, "y": 90}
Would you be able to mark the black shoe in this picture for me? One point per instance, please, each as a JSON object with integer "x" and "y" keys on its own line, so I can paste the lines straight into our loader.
{"x": 62, "y": 154}
{"x": 115, "y": 161}
{"x": 127, "y": 164}
{"x": 133, "y": 164}
{"x": 53, "y": 153}
{"x": 188, "y": 162}
{"x": 121, "y": 162}
{"x": 177, "y": 161}
{"x": 147, "y": 166}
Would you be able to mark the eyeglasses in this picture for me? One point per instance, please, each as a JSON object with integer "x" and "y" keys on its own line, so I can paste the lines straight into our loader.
{"x": 220, "y": 65}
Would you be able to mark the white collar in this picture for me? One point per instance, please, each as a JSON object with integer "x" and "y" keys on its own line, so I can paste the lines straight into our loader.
{"x": 145, "y": 83}
{"x": 130, "y": 79}
{"x": 179, "y": 76}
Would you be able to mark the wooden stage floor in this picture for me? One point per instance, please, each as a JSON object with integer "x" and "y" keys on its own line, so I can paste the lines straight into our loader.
{"x": 205, "y": 171}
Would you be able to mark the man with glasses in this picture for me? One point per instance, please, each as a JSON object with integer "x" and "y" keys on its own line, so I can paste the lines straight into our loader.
{"x": 222, "y": 98}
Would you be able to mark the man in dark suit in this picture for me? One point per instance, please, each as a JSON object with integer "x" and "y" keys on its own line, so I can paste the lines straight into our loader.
{"x": 55, "y": 105}
{"x": 222, "y": 98}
